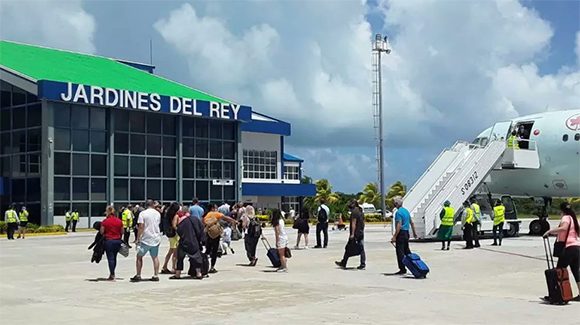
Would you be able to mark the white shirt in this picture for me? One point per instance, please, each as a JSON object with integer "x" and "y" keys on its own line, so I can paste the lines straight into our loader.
{"x": 150, "y": 219}
{"x": 282, "y": 233}
{"x": 323, "y": 206}
{"x": 292, "y": 214}
{"x": 224, "y": 209}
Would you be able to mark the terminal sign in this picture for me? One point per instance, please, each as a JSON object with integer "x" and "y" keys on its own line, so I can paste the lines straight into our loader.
{"x": 135, "y": 100}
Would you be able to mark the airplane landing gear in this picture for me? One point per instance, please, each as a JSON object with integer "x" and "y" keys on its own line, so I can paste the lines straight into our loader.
{"x": 540, "y": 226}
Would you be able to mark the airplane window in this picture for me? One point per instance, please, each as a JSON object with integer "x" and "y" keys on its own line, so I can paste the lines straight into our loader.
{"x": 577, "y": 137}
{"x": 565, "y": 137}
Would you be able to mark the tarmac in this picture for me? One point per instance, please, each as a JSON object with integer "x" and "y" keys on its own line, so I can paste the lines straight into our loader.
{"x": 50, "y": 280}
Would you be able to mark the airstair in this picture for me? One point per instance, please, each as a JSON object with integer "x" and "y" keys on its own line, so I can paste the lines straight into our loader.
{"x": 453, "y": 176}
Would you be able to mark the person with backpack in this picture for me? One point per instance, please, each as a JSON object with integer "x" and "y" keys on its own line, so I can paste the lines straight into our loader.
{"x": 253, "y": 231}
{"x": 191, "y": 238}
{"x": 322, "y": 225}
{"x": 169, "y": 229}
{"x": 301, "y": 224}
{"x": 213, "y": 230}
{"x": 568, "y": 232}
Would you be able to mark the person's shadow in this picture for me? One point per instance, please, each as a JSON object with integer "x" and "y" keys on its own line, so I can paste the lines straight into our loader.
{"x": 103, "y": 280}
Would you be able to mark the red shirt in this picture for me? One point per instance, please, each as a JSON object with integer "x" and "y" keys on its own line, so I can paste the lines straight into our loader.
{"x": 113, "y": 227}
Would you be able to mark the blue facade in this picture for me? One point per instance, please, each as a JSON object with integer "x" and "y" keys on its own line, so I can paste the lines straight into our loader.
{"x": 260, "y": 189}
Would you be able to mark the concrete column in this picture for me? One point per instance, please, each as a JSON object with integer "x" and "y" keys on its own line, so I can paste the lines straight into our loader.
{"x": 47, "y": 166}
{"x": 239, "y": 162}
{"x": 110, "y": 159}
{"x": 179, "y": 170}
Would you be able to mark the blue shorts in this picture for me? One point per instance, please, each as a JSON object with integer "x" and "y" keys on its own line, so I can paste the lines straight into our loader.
{"x": 143, "y": 249}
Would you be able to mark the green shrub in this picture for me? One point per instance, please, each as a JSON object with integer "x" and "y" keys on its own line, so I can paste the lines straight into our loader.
{"x": 2, "y": 227}
{"x": 30, "y": 227}
{"x": 45, "y": 229}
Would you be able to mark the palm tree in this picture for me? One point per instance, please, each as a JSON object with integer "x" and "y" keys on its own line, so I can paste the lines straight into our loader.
{"x": 371, "y": 195}
{"x": 397, "y": 189}
{"x": 323, "y": 193}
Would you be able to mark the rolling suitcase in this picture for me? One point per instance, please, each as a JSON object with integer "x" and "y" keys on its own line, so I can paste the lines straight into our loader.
{"x": 557, "y": 279}
{"x": 272, "y": 253}
{"x": 414, "y": 263}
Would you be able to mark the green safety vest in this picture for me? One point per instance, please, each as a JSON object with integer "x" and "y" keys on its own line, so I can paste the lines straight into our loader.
{"x": 24, "y": 216}
{"x": 499, "y": 215}
{"x": 476, "y": 211}
{"x": 469, "y": 218}
{"x": 75, "y": 216}
{"x": 127, "y": 218}
{"x": 67, "y": 216}
{"x": 448, "y": 217}
{"x": 512, "y": 142}
{"x": 10, "y": 216}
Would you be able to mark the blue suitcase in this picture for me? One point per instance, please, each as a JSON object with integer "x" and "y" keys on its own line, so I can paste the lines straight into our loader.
{"x": 414, "y": 263}
{"x": 272, "y": 253}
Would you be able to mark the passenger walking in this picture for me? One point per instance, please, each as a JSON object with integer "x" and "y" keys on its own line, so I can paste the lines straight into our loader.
{"x": 23, "y": 222}
{"x": 148, "y": 240}
{"x": 214, "y": 231}
{"x": 281, "y": 239}
{"x": 569, "y": 232}
{"x": 476, "y": 222}
{"x": 467, "y": 222}
{"x": 169, "y": 223}
{"x": 226, "y": 241}
{"x": 445, "y": 231}
{"x": 127, "y": 218}
{"x": 112, "y": 231}
{"x": 191, "y": 237}
{"x": 136, "y": 212}
{"x": 253, "y": 231}
{"x": 498, "y": 222}
{"x": 355, "y": 245}
{"x": 403, "y": 223}
{"x": 11, "y": 219}
{"x": 322, "y": 225}
{"x": 301, "y": 224}
{"x": 67, "y": 218}
{"x": 75, "y": 220}
{"x": 196, "y": 211}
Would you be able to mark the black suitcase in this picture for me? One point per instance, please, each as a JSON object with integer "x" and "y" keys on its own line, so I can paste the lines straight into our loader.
{"x": 557, "y": 279}
{"x": 272, "y": 253}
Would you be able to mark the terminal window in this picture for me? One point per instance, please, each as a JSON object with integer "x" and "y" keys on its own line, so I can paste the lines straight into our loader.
{"x": 260, "y": 164}
{"x": 291, "y": 172}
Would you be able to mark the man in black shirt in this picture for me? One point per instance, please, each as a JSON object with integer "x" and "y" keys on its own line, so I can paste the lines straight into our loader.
{"x": 355, "y": 244}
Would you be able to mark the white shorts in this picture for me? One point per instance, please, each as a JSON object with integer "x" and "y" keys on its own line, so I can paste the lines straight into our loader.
{"x": 282, "y": 243}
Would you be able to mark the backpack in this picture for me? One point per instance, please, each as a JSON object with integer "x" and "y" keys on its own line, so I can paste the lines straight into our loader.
{"x": 322, "y": 215}
{"x": 168, "y": 229}
{"x": 213, "y": 228}
{"x": 254, "y": 228}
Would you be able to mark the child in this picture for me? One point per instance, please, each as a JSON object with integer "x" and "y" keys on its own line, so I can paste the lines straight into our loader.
{"x": 98, "y": 244}
{"x": 227, "y": 240}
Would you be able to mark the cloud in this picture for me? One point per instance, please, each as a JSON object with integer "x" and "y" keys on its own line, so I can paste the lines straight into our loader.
{"x": 58, "y": 24}
{"x": 578, "y": 48}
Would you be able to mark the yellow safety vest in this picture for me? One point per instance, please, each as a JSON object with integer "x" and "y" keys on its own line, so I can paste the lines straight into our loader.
{"x": 512, "y": 142}
{"x": 476, "y": 211}
{"x": 448, "y": 217}
{"x": 23, "y": 216}
{"x": 75, "y": 216}
{"x": 499, "y": 214}
{"x": 67, "y": 216}
{"x": 127, "y": 218}
{"x": 10, "y": 216}
{"x": 469, "y": 217}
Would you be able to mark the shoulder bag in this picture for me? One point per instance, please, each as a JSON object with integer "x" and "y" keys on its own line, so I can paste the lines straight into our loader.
{"x": 560, "y": 246}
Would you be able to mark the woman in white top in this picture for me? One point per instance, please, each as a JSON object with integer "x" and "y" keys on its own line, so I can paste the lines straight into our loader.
{"x": 281, "y": 238}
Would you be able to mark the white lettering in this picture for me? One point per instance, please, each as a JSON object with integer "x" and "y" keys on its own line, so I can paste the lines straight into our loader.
{"x": 81, "y": 93}
{"x": 130, "y": 98}
{"x": 235, "y": 110}
{"x": 155, "y": 102}
{"x": 68, "y": 95}
{"x": 187, "y": 105}
{"x": 195, "y": 112}
{"x": 142, "y": 98}
{"x": 111, "y": 93}
{"x": 225, "y": 112}
{"x": 172, "y": 105}
{"x": 96, "y": 93}
{"x": 214, "y": 109}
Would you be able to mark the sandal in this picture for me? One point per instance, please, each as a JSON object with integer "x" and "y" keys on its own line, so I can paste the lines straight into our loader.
{"x": 155, "y": 278}
{"x": 166, "y": 271}
{"x": 174, "y": 277}
{"x": 136, "y": 278}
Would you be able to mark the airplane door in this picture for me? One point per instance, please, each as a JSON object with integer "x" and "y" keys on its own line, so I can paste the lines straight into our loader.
{"x": 500, "y": 130}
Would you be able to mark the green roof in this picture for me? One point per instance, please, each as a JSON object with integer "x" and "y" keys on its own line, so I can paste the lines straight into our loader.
{"x": 42, "y": 63}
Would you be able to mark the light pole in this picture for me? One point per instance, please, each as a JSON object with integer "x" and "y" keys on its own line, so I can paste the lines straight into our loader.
{"x": 380, "y": 45}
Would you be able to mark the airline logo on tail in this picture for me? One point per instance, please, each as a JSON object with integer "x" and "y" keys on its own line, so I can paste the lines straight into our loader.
{"x": 573, "y": 123}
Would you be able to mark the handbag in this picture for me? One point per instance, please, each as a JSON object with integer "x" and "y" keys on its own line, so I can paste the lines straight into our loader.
{"x": 287, "y": 253}
{"x": 124, "y": 250}
{"x": 560, "y": 246}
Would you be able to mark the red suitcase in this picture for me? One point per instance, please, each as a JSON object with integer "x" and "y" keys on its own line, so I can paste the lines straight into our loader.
{"x": 557, "y": 279}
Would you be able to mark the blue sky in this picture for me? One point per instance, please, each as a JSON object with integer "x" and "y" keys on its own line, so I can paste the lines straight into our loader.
{"x": 456, "y": 67}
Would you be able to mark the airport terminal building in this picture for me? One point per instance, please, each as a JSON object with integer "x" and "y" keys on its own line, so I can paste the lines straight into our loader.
{"x": 81, "y": 131}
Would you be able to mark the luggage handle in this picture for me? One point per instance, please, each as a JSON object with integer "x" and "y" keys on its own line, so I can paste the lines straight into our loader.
{"x": 266, "y": 242}
{"x": 548, "y": 252}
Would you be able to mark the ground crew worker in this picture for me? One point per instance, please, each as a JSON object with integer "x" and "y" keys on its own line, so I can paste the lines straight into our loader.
{"x": 512, "y": 141}
{"x": 446, "y": 228}
{"x": 75, "y": 219}
{"x": 467, "y": 221}
{"x": 67, "y": 218}
{"x": 476, "y": 221}
{"x": 498, "y": 221}
{"x": 11, "y": 219}
{"x": 23, "y": 217}
{"x": 127, "y": 218}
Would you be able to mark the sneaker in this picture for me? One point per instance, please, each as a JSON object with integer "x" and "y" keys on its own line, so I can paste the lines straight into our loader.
{"x": 155, "y": 278}
{"x": 361, "y": 267}
{"x": 447, "y": 248}
{"x": 306, "y": 247}
{"x": 136, "y": 278}
{"x": 296, "y": 247}
{"x": 577, "y": 298}
{"x": 340, "y": 264}
{"x": 282, "y": 270}
{"x": 233, "y": 251}
{"x": 317, "y": 246}
{"x": 494, "y": 244}
{"x": 212, "y": 271}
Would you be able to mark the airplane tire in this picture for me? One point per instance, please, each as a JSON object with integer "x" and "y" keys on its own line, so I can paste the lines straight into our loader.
{"x": 536, "y": 228}
{"x": 545, "y": 226}
{"x": 514, "y": 230}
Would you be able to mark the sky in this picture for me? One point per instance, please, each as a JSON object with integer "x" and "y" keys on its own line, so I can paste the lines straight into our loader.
{"x": 456, "y": 67}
